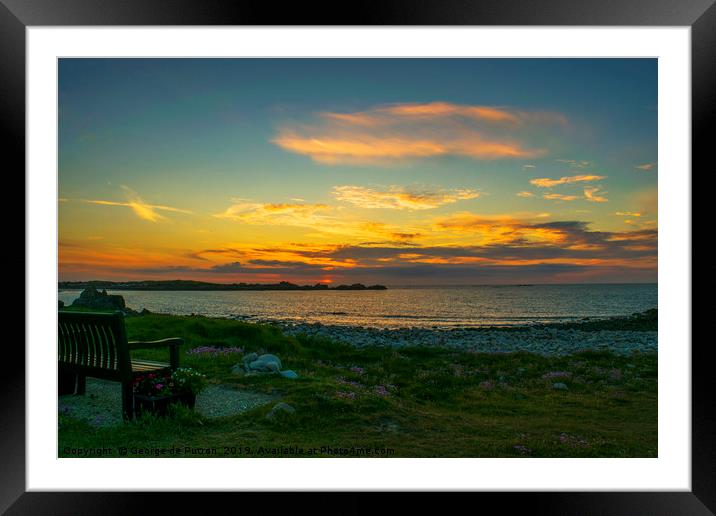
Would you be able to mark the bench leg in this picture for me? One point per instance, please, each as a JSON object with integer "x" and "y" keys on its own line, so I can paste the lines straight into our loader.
{"x": 81, "y": 384}
{"x": 66, "y": 383}
{"x": 174, "y": 358}
{"x": 127, "y": 401}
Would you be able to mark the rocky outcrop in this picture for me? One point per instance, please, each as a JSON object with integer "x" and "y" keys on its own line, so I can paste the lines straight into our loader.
{"x": 94, "y": 299}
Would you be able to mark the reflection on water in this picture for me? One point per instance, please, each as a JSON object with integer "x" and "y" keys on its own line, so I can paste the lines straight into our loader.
{"x": 405, "y": 307}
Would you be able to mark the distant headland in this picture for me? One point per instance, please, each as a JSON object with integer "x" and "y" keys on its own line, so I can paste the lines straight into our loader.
{"x": 203, "y": 285}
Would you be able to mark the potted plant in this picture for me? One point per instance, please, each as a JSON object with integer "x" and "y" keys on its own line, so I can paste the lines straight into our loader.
{"x": 187, "y": 383}
{"x": 155, "y": 392}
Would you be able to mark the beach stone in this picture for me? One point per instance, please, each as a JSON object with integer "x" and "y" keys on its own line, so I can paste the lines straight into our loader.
{"x": 265, "y": 363}
{"x": 560, "y": 386}
{"x": 289, "y": 374}
{"x": 250, "y": 357}
{"x": 280, "y": 408}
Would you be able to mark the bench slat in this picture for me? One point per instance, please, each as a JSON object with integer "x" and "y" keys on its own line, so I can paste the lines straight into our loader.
{"x": 148, "y": 365}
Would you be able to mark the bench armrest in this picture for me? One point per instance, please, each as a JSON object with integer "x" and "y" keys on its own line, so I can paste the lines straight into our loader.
{"x": 163, "y": 343}
{"x": 172, "y": 343}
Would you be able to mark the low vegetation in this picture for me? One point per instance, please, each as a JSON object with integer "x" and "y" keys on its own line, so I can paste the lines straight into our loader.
{"x": 408, "y": 402}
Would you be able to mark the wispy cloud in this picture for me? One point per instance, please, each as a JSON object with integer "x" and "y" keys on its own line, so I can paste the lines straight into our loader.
{"x": 369, "y": 149}
{"x": 576, "y": 164}
{"x": 646, "y": 166}
{"x": 559, "y": 197}
{"x": 386, "y": 134}
{"x": 628, "y": 214}
{"x": 525, "y": 194}
{"x": 322, "y": 219}
{"x": 275, "y": 213}
{"x": 140, "y": 208}
{"x": 545, "y": 182}
{"x": 595, "y": 195}
{"x": 400, "y": 198}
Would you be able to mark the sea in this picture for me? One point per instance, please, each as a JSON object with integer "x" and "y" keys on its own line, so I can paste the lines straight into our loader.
{"x": 403, "y": 307}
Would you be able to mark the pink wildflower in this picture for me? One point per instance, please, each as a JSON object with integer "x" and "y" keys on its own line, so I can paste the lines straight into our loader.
{"x": 380, "y": 390}
{"x": 556, "y": 374}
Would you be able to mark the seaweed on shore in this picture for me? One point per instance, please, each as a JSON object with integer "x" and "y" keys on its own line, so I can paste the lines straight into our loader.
{"x": 640, "y": 321}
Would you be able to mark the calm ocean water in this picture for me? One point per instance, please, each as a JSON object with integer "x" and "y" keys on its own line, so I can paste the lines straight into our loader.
{"x": 405, "y": 307}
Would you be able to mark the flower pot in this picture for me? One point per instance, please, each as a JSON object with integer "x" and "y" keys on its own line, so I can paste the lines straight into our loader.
{"x": 157, "y": 405}
{"x": 188, "y": 399}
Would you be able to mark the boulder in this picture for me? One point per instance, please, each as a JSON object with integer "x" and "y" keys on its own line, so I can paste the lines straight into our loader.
{"x": 262, "y": 364}
{"x": 560, "y": 386}
{"x": 250, "y": 358}
{"x": 266, "y": 363}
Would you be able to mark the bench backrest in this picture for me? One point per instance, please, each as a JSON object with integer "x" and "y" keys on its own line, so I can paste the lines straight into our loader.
{"x": 93, "y": 343}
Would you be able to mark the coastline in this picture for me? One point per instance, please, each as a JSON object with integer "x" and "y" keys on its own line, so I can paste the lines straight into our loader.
{"x": 625, "y": 335}
{"x": 622, "y": 335}
{"x": 542, "y": 340}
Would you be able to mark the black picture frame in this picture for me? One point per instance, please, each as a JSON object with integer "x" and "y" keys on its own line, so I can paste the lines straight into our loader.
{"x": 16, "y": 15}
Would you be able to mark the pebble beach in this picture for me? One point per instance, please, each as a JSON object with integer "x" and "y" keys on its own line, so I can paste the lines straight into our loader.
{"x": 541, "y": 340}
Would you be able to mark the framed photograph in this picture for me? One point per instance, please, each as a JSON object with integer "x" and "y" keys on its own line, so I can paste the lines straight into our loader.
{"x": 440, "y": 240}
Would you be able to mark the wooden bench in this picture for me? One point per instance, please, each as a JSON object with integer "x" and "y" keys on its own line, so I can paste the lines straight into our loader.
{"x": 95, "y": 344}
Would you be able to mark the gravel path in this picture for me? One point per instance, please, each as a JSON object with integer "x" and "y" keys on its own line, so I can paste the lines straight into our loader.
{"x": 101, "y": 405}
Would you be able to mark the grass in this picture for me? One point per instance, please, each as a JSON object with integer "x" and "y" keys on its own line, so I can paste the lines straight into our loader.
{"x": 411, "y": 402}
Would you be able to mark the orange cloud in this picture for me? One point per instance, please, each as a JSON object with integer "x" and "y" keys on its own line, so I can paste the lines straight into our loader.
{"x": 398, "y": 198}
{"x": 559, "y": 197}
{"x": 500, "y": 229}
{"x": 321, "y": 218}
{"x": 442, "y": 109}
{"x": 525, "y": 194}
{"x": 367, "y": 149}
{"x": 593, "y": 195}
{"x": 281, "y": 214}
{"x": 544, "y": 182}
{"x": 386, "y": 134}
{"x": 628, "y": 214}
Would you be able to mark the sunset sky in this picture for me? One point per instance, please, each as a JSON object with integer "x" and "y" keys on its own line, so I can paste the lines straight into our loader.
{"x": 391, "y": 171}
